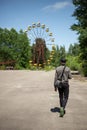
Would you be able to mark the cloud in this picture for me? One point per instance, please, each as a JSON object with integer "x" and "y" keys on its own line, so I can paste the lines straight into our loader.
{"x": 56, "y": 6}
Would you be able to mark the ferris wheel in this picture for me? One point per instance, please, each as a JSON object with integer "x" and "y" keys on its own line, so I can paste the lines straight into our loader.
{"x": 38, "y": 30}
{"x": 40, "y": 37}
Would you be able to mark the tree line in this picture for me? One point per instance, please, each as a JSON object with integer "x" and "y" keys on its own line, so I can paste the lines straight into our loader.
{"x": 80, "y": 13}
{"x": 15, "y": 46}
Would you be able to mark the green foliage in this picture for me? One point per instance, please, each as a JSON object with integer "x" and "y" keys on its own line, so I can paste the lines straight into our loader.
{"x": 84, "y": 67}
{"x": 17, "y": 67}
{"x": 74, "y": 63}
{"x": 74, "y": 49}
{"x": 5, "y": 45}
{"x": 58, "y": 54}
{"x": 62, "y": 52}
{"x": 81, "y": 27}
{"x": 72, "y": 56}
{"x": 48, "y": 67}
{"x": 2, "y": 67}
{"x": 23, "y": 50}
{"x": 33, "y": 67}
{"x": 15, "y": 46}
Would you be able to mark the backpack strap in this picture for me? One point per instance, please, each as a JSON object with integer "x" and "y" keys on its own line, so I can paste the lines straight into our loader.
{"x": 62, "y": 72}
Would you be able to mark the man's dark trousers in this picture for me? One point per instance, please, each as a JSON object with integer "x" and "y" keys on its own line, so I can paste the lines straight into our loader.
{"x": 63, "y": 94}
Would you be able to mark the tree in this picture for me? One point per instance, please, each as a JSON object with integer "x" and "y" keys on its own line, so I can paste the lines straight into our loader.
{"x": 62, "y": 52}
{"x": 80, "y": 14}
{"x": 6, "y": 45}
{"x": 58, "y": 54}
{"x": 23, "y": 50}
{"x": 15, "y": 46}
{"x": 74, "y": 49}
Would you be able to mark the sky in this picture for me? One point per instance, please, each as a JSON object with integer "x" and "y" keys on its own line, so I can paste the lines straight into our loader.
{"x": 55, "y": 14}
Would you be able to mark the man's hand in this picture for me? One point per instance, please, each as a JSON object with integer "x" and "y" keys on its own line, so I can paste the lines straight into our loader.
{"x": 55, "y": 89}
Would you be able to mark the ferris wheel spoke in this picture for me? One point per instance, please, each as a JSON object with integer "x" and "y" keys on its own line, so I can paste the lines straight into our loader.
{"x": 31, "y": 37}
{"x": 34, "y": 32}
{"x": 32, "y": 41}
{"x": 45, "y": 36}
{"x": 40, "y": 33}
{"x": 42, "y": 28}
{"x": 48, "y": 39}
{"x": 38, "y": 30}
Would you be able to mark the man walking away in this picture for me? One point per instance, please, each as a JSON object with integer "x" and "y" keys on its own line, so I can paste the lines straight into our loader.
{"x": 64, "y": 72}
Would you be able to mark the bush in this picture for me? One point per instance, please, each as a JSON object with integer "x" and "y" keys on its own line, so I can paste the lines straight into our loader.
{"x": 17, "y": 67}
{"x": 2, "y": 67}
{"x": 73, "y": 63}
{"x": 48, "y": 68}
{"x": 84, "y": 68}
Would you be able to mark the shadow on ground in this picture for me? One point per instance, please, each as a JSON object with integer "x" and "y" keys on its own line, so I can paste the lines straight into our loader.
{"x": 55, "y": 109}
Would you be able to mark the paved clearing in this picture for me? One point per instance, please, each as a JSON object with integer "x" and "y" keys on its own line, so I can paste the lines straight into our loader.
{"x": 28, "y": 102}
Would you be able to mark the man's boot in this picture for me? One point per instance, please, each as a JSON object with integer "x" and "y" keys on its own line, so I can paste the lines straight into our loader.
{"x": 61, "y": 112}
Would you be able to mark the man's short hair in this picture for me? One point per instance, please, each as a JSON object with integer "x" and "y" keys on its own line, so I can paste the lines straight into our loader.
{"x": 63, "y": 60}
